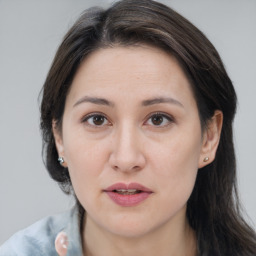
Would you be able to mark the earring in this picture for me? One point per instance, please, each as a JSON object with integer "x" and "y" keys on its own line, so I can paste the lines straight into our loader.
{"x": 206, "y": 159}
{"x": 61, "y": 160}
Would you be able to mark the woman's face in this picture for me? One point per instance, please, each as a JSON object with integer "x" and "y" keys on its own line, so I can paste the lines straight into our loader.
{"x": 131, "y": 118}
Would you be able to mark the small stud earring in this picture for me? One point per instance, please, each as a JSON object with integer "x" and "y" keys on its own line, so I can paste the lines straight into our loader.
{"x": 61, "y": 160}
{"x": 206, "y": 159}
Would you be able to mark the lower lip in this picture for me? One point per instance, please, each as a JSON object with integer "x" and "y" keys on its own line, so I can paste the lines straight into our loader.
{"x": 128, "y": 200}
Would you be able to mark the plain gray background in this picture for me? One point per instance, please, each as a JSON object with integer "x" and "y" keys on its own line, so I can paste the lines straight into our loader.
{"x": 31, "y": 30}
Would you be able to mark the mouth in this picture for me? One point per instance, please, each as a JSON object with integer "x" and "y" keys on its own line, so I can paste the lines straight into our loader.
{"x": 128, "y": 195}
{"x": 127, "y": 191}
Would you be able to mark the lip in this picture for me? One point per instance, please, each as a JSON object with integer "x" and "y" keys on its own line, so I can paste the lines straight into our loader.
{"x": 128, "y": 200}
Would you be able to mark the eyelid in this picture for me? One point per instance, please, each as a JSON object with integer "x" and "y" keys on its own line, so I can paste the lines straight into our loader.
{"x": 87, "y": 116}
{"x": 169, "y": 117}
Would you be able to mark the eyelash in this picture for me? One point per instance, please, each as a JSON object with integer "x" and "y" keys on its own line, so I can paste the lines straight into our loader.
{"x": 168, "y": 117}
{"x": 165, "y": 116}
{"x": 87, "y": 117}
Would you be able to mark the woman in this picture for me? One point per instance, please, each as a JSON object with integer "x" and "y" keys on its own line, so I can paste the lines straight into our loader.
{"x": 136, "y": 117}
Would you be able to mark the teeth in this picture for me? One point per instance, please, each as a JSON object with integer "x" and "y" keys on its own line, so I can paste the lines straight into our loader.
{"x": 127, "y": 191}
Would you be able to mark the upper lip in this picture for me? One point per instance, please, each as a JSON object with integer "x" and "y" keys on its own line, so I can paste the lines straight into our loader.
{"x": 133, "y": 185}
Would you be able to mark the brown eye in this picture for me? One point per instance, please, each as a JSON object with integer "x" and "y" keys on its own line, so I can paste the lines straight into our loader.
{"x": 157, "y": 119}
{"x": 96, "y": 120}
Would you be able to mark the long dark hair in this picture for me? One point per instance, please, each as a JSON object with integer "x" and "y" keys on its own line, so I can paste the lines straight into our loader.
{"x": 213, "y": 209}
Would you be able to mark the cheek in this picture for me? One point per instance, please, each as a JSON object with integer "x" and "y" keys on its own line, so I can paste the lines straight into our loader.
{"x": 175, "y": 165}
{"x": 86, "y": 163}
{"x": 80, "y": 150}
{"x": 85, "y": 159}
{"x": 178, "y": 155}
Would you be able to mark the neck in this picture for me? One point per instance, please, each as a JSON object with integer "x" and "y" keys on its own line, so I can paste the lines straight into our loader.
{"x": 174, "y": 239}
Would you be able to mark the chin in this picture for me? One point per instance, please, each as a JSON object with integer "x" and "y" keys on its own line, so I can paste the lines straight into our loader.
{"x": 129, "y": 226}
{"x": 130, "y": 231}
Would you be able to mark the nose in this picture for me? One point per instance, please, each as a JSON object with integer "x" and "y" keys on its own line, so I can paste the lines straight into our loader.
{"x": 127, "y": 150}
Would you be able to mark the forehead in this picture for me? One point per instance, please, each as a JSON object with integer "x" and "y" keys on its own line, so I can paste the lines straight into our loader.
{"x": 137, "y": 70}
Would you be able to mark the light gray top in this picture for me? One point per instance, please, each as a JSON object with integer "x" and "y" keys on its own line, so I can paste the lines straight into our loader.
{"x": 39, "y": 238}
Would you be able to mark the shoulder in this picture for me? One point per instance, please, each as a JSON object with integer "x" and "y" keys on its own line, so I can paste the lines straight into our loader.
{"x": 39, "y": 238}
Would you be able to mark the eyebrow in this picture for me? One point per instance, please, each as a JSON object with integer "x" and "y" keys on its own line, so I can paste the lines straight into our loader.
{"x": 149, "y": 102}
{"x": 159, "y": 100}
{"x": 94, "y": 100}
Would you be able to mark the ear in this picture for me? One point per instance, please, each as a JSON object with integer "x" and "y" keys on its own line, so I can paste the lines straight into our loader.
{"x": 58, "y": 141}
{"x": 211, "y": 138}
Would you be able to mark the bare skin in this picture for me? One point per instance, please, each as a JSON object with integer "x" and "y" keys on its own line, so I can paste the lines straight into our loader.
{"x": 131, "y": 116}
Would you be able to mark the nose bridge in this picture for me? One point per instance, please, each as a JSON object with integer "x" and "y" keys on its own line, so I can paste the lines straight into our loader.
{"x": 127, "y": 152}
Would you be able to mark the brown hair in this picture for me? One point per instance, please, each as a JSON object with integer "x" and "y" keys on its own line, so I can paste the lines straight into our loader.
{"x": 213, "y": 209}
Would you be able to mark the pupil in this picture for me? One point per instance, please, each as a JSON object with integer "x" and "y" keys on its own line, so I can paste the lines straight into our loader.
{"x": 98, "y": 120}
{"x": 157, "y": 120}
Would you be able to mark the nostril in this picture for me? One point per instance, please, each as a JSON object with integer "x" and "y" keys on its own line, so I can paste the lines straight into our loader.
{"x": 127, "y": 160}
{"x": 134, "y": 168}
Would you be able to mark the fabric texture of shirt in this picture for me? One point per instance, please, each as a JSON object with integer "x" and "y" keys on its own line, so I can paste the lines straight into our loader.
{"x": 39, "y": 239}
